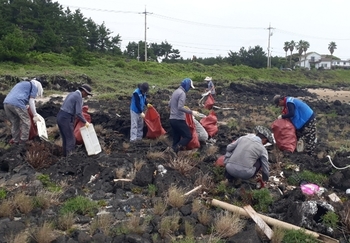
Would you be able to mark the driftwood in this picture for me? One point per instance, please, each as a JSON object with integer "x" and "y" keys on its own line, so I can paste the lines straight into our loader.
{"x": 193, "y": 190}
{"x": 271, "y": 221}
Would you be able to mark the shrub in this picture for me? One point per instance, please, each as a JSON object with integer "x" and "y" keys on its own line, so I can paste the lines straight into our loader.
{"x": 137, "y": 225}
{"x": 152, "y": 189}
{"x": 278, "y": 234}
{"x": 168, "y": 225}
{"x": 292, "y": 236}
{"x": 330, "y": 219}
{"x": 6, "y": 209}
{"x": 47, "y": 183}
{"x": 21, "y": 237}
{"x": 183, "y": 163}
{"x": 101, "y": 222}
{"x": 79, "y": 205}
{"x": 197, "y": 206}
{"x": 204, "y": 217}
{"x": 43, "y": 234}
{"x": 39, "y": 155}
{"x": 227, "y": 224}
{"x": 3, "y": 193}
{"x": 307, "y": 176}
{"x": 23, "y": 203}
{"x": 65, "y": 221}
{"x": 262, "y": 199}
{"x": 159, "y": 207}
{"x": 176, "y": 197}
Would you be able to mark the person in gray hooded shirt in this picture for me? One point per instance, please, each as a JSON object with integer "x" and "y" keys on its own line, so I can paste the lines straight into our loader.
{"x": 247, "y": 155}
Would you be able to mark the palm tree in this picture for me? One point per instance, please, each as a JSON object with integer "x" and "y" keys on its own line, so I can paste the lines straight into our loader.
{"x": 331, "y": 47}
{"x": 291, "y": 48}
{"x": 299, "y": 47}
{"x": 286, "y": 47}
{"x": 306, "y": 46}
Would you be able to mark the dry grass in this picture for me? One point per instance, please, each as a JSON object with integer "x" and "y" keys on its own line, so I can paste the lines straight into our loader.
{"x": 98, "y": 129}
{"x": 176, "y": 197}
{"x": 66, "y": 221}
{"x": 134, "y": 225}
{"x": 206, "y": 181}
{"x": 6, "y": 209}
{"x": 39, "y": 155}
{"x": 345, "y": 216}
{"x": 197, "y": 206}
{"x": 23, "y": 203}
{"x": 138, "y": 164}
{"x": 159, "y": 207}
{"x": 43, "y": 234}
{"x": 278, "y": 234}
{"x": 227, "y": 224}
{"x": 168, "y": 225}
{"x": 119, "y": 173}
{"x": 183, "y": 163}
{"x": 211, "y": 150}
{"x": 204, "y": 217}
{"x": 189, "y": 230}
{"x": 102, "y": 222}
{"x": 126, "y": 145}
{"x": 155, "y": 155}
{"x": 21, "y": 237}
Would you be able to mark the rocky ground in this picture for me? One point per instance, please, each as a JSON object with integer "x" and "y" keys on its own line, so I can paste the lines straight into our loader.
{"x": 131, "y": 211}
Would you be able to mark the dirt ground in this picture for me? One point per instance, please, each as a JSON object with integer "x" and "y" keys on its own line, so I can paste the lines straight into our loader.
{"x": 251, "y": 106}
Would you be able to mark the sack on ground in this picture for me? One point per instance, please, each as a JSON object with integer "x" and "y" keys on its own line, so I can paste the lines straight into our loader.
{"x": 285, "y": 134}
{"x": 210, "y": 124}
{"x": 194, "y": 143}
{"x": 202, "y": 133}
{"x": 153, "y": 123}
{"x": 78, "y": 124}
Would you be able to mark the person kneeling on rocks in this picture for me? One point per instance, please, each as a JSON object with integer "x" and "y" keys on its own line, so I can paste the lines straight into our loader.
{"x": 247, "y": 155}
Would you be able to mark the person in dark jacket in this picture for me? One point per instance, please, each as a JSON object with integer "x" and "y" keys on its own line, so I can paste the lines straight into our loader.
{"x": 302, "y": 117}
{"x": 247, "y": 155}
{"x": 181, "y": 132}
{"x": 137, "y": 107}
{"x": 70, "y": 109}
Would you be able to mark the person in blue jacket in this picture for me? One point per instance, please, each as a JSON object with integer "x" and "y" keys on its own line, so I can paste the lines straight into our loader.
{"x": 137, "y": 107}
{"x": 70, "y": 109}
{"x": 302, "y": 117}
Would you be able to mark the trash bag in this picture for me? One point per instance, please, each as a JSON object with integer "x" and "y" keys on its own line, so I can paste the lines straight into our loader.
{"x": 284, "y": 133}
{"x": 33, "y": 131}
{"x": 78, "y": 124}
{"x": 194, "y": 143}
{"x": 220, "y": 161}
{"x": 202, "y": 133}
{"x": 154, "y": 126}
{"x": 210, "y": 123}
{"x": 209, "y": 103}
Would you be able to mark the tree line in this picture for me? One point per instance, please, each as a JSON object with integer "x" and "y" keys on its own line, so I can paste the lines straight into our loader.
{"x": 30, "y": 27}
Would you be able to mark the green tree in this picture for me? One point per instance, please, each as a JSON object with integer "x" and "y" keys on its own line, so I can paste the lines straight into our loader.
{"x": 291, "y": 48}
{"x": 286, "y": 47}
{"x": 300, "y": 48}
{"x": 306, "y": 46}
{"x": 331, "y": 47}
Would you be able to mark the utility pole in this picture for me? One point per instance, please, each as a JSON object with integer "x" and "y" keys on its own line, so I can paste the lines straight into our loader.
{"x": 268, "y": 47}
{"x": 145, "y": 13}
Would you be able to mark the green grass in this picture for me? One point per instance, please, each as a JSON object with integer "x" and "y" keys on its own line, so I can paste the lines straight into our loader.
{"x": 48, "y": 184}
{"x": 79, "y": 205}
{"x": 293, "y": 236}
{"x": 307, "y": 176}
{"x": 3, "y": 193}
{"x": 262, "y": 199}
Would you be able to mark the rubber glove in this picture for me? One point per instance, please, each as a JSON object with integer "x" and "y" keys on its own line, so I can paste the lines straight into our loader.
{"x": 279, "y": 117}
{"x": 149, "y": 105}
{"x": 142, "y": 115}
{"x": 195, "y": 113}
{"x": 36, "y": 118}
{"x": 87, "y": 124}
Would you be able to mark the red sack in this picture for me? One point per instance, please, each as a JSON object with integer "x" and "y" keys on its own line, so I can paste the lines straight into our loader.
{"x": 154, "y": 126}
{"x": 33, "y": 131}
{"x": 285, "y": 134}
{"x": 194, "y": 143}
{"x": 78, "y": 124}
{"x": 220, "y": 161}
{"x": 210, "y": 124}
{"x": 209, "y": 102}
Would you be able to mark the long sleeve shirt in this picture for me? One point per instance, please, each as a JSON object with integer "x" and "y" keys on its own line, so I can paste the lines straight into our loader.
{"x": 73, "y": 104}
{"x": 177, "y": 105}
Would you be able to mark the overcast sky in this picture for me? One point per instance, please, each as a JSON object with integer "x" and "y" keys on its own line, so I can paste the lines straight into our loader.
{"x": 213, "y": 28}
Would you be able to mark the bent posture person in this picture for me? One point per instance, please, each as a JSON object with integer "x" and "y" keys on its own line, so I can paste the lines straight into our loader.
{"x": 181, "y": 132}
{"x": 71, "y": 108}
{"x": 247, "y": 155}
{"x": 137, "y": 106}
{"x": 302, "y": 117}
{"x": 22, "y": 94}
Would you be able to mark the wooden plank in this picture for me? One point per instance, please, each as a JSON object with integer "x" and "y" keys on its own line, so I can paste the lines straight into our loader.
{"x": 259, "y": 221}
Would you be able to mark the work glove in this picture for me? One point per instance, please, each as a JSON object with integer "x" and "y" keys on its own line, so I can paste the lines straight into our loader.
{"x": 87, "y": 124}
{"x": 195, "y": 113}
{"x": 186, "y": 107}
{"x": 36, "y": 118}
{"x": 279, "y": 117}
{"x": 142, "y": 115}
{"x": 149, "y": 105}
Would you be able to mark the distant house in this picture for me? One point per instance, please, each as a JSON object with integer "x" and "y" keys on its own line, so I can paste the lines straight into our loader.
{"x": 315, "y": 60}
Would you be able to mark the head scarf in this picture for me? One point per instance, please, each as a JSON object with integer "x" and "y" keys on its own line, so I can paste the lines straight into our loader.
{"x": 39, "y": 87}
{"x": 187, "y": 84}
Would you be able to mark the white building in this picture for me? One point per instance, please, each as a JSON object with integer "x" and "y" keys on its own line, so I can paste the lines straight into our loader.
{"x": 315, "y": 60}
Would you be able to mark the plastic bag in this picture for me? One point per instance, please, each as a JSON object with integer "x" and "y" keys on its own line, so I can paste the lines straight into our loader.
{"x": 78, "y": 124}
{"x": 210, "y": 123}
{"x": 284, "y": 133}
{"x": 209, "y": 103}
{"x": 202, "y": 133}
{"x": 153, "y": 123}
{"x": 194, "y": 143}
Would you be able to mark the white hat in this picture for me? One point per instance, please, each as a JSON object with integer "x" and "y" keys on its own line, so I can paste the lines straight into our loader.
{"x": 207, "y": 79}
{"x": 39, "y": 87}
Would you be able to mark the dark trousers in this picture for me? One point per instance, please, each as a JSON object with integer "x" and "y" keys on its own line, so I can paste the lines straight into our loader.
{"x": 257, "y": 166}
{"x": 181, "y": 134}
{"x": 66, "y": 126}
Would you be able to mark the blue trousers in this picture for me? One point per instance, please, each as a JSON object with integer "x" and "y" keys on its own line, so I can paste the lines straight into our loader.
{"x": 181, "y": 134}
{"x": 65, "y": 122}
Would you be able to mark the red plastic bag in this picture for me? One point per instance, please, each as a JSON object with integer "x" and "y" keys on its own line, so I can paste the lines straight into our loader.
{"x": 209, "y": 102}
{"x": 284, "y": 133}
{"x": 194, "y": 143}
{"x": 154, "y": 126}
{"x": 220, "y": 161}
{"x": 210, "y": 124}
{"x": 33, "y": 131}
{"x": 78, "y": 124}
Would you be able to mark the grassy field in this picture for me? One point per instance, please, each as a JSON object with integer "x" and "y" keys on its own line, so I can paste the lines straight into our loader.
{"x": 111, "y": 75}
